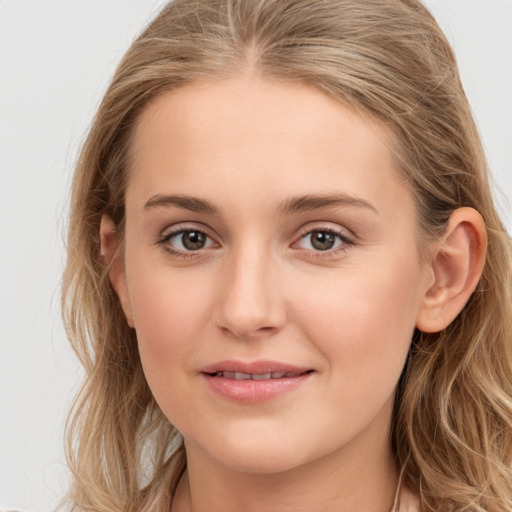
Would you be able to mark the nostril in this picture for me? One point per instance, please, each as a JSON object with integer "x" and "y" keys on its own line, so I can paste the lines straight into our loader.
{"x": 243, "y": 333}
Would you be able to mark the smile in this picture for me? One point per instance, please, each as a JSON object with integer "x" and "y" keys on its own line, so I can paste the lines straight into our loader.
{"x": 255, "y": 382}
{"x": 255, "y": 376}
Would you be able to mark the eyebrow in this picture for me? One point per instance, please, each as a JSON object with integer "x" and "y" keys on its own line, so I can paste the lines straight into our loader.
{"x": 314, "y": 201}
{"x": 290, "y": 206}
{"x": 193, "y": 204}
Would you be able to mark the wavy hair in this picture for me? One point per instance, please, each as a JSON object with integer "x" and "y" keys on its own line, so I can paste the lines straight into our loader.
{"x": 452, "y": 421}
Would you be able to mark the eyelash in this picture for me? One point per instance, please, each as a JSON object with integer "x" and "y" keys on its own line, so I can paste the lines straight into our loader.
{"x": 164, "y": 242}
{"x": 327, "y": 254}
{"x": 346, "y": 242}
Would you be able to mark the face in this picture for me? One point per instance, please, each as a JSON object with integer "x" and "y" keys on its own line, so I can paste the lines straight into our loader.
{"x": 271, "y": 271}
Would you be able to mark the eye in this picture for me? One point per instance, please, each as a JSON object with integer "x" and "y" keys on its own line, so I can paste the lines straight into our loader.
{"x": 185, "y": 241}
{"x": 325, "y": 240}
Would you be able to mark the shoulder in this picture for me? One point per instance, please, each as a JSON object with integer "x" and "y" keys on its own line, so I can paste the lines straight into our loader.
{"x": 409, "y": 501}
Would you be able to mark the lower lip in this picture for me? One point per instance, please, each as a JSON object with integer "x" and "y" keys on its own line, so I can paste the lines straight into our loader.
{"x": 254, "y": 391}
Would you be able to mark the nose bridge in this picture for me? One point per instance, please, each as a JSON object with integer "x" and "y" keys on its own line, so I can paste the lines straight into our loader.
{"x": 250, "y": 302}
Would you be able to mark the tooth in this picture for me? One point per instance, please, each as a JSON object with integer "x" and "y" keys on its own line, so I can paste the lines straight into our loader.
{"x": 242, "y": 376}
{"x": 260, "y": 376}
{"x": 277, "y": 375}
{"x": 291, "y": 374}
{"x": 228, "y": 375}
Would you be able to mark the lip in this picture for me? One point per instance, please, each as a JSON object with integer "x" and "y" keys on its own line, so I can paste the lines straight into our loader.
{"x": 254, "y": 391}
{"x": 257, "y": 367}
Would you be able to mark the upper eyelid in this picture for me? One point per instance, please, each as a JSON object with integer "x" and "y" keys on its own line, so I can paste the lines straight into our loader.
{"x": 165, "y": 237}
{"x": 339, "y": 230}
{"x": 173, "y": 230}
{"x": 347, "y": 240}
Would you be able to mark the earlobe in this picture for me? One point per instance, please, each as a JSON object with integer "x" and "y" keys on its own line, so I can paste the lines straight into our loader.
{"x": 117, "y": 275}
{"x": 457, "y": 265}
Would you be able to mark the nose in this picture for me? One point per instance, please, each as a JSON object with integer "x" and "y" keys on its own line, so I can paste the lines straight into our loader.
{"x": 250, "y": 301}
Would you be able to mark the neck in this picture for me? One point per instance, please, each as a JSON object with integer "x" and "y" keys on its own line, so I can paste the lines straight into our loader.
{"x": 361, "y": 477}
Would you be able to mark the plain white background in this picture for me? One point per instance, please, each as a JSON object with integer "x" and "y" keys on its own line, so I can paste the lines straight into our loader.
{"x": 56, "y": 58}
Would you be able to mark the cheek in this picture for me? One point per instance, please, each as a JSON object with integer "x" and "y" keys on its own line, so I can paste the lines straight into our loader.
{"x": 362, "y": 321}
{"x": 170, "y": 313}
{"x": 170, "y": 310}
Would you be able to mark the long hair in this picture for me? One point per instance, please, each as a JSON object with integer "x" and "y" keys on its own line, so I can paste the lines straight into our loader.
{"x": 452, "y": 421}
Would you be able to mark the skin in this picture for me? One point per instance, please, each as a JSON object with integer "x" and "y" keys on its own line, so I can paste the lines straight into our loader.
{"x": 260, "y": 289}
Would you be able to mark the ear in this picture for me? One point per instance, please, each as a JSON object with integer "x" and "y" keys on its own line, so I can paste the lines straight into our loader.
{"x": 457, "y": 263}
{"x": 117, "y": 275}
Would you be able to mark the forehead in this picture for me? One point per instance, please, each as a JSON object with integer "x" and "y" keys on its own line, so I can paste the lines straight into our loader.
{"x": 251, "y": 138}
{"x": 254, "y": 107}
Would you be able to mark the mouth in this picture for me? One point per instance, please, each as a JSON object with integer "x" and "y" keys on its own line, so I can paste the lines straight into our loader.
{"x": 256, "y": 382}
{"x": 257, "y": 376}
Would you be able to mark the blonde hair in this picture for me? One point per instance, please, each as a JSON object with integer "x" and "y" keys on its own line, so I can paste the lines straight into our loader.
{"x": 452, "y": 423}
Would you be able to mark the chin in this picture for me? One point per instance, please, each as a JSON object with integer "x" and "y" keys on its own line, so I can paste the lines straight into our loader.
{"x": 260, "y": 462}
{"x": 261, "y": 453}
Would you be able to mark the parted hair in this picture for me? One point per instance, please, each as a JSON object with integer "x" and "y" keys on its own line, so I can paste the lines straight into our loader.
{"x": 452, "y": 420}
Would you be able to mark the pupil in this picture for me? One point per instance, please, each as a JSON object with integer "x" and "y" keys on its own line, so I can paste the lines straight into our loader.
{"x": 193, "y": 240}
{"x": 322, "y": 240}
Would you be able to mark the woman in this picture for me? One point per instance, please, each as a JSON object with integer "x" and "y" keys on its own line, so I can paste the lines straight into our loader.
{"x": 286, "y": 279}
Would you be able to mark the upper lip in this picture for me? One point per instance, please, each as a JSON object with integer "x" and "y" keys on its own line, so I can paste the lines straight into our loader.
{"x": 254, "y": 367}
